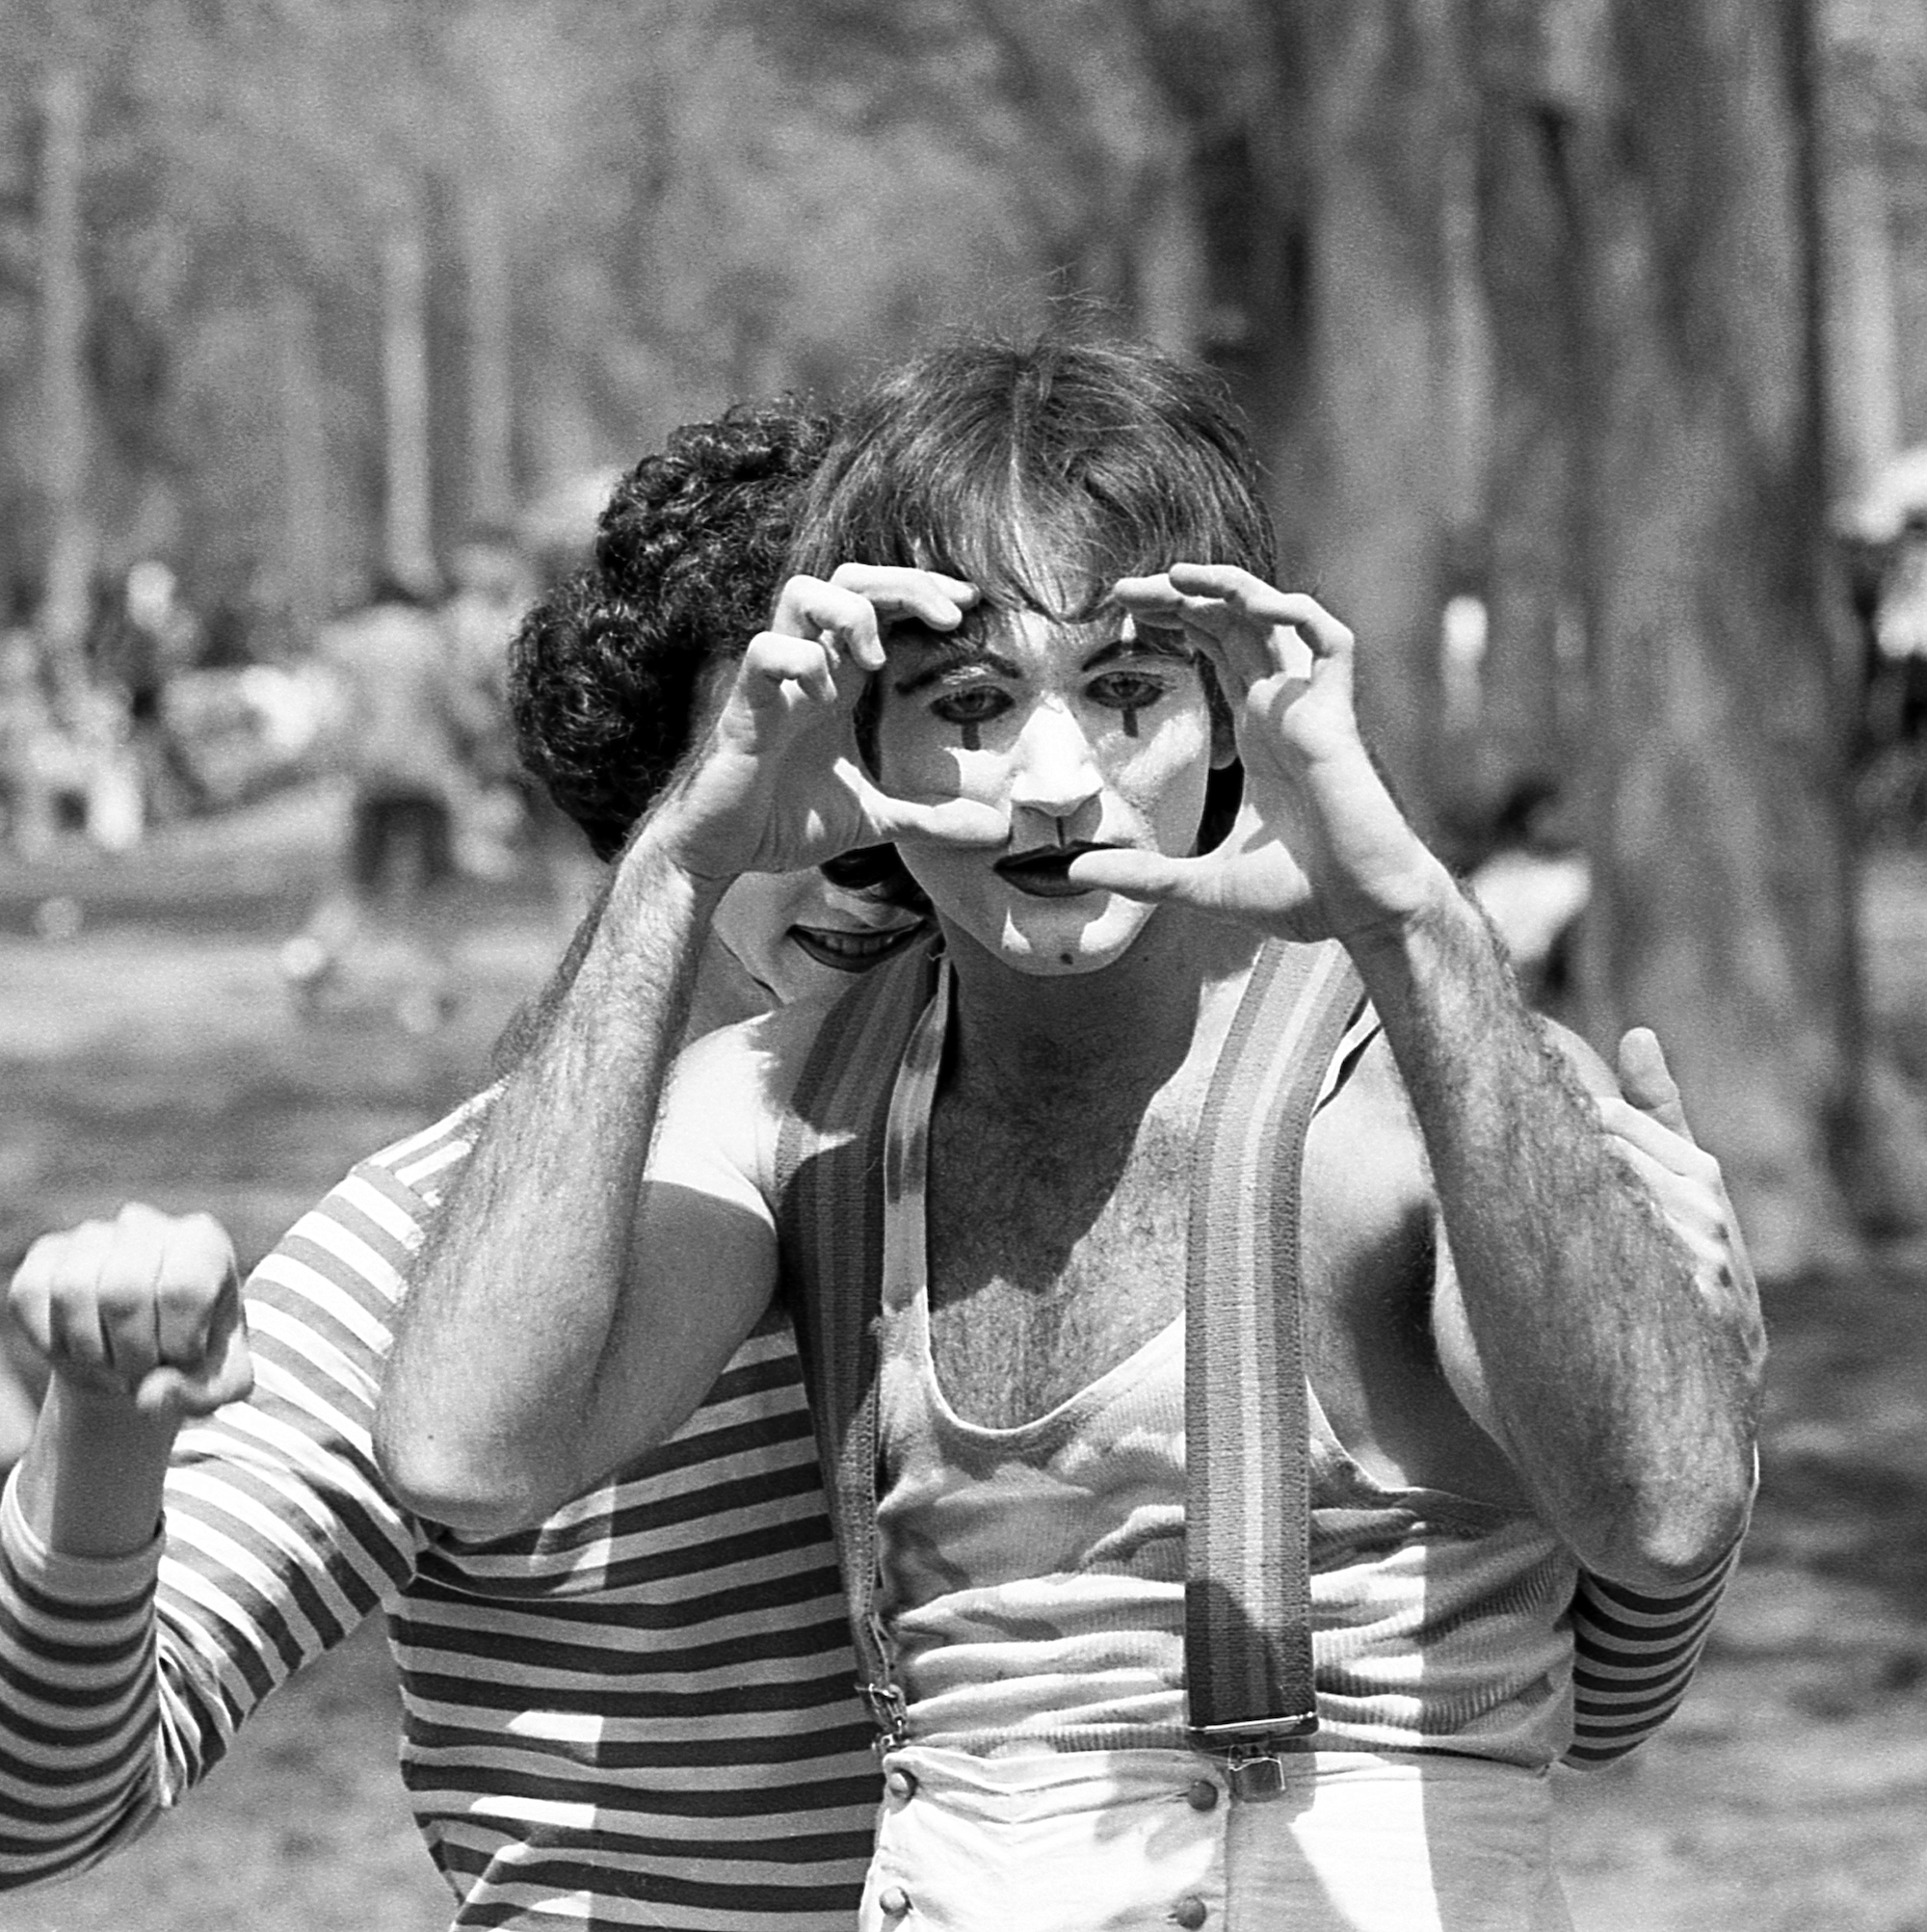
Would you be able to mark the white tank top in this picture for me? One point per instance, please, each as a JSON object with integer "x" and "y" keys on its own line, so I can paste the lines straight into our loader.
{"x": 1033, "y": 1577}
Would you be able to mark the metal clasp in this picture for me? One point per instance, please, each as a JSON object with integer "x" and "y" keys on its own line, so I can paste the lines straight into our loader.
{"x": 889, "y": 1713}
{"x": 1253, "y": 1766}
{"x": 1255, "y": 1775}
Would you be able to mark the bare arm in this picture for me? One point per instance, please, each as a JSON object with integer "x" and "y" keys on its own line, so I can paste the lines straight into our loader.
{"x": 1572, "y": 1322}
{"x": 501, "y": 1343}
{"x": 1623, "y": 1397}
{"x": 565, "y": 1311}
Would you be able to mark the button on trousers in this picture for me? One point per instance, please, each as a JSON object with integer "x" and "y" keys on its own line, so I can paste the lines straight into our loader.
{"x": 1111, "y": 1840}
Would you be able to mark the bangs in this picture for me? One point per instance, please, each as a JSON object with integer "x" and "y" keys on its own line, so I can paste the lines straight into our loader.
{"x": 1040, "y": 475}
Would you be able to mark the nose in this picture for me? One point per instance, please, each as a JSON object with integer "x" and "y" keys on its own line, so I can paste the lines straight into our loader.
{"x": 1055, "y": 769}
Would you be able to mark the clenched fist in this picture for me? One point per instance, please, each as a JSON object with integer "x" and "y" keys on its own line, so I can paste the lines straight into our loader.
{"x": 145, "y": 1308}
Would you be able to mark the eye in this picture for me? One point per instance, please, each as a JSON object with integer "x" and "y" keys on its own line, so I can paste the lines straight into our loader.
{"x": 1128, "y": 690}
{"x": 970, "y": 704}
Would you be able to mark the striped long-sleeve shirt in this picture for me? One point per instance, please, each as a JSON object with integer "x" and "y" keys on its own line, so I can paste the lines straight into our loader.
{"x": 639, "y": 1713}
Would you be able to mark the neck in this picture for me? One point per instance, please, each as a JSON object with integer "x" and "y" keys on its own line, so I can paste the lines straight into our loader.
{"x": 1032, "y": 1035}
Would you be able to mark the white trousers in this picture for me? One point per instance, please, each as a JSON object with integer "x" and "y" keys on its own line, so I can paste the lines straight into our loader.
{"x": 1103, "y": 1840}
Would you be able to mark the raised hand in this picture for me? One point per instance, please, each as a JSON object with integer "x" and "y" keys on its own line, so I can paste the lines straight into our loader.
{"x": 1648, "y": 1130}
{"x": 1320, "y": 849}
{"x": 781, "y": 784}
{"x": 142, "y": 1311}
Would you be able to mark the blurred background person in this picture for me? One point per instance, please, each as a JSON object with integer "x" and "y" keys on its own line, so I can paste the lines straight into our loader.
{"x": 147, "y": 637}
{"x": 492, "y": 585}
{"x": 409, "y": 718}
{"x": 27, "y": 737}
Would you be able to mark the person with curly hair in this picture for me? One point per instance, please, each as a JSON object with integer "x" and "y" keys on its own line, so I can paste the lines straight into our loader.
{"x": 637, "y": 1713}
{"x": 688, "y": 548}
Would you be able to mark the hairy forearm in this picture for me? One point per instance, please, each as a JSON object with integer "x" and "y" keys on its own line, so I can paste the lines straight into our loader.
{"x": 487, "y": 1411}
{"x": 1623, "y": 1397}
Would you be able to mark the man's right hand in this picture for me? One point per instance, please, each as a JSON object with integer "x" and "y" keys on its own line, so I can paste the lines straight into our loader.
{"x": 779, "y": 783}
{"x": 142, "y": 1311}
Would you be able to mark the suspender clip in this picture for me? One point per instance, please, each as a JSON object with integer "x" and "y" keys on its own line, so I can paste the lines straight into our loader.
{"x": 1253, "y": 1764}
{"x": 889, "y": 1712}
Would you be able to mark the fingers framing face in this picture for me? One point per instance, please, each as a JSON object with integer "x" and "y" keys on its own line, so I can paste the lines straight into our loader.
{"x": 1249, "y": 629}
{"x": 846, "y": 615}
{"x": 777, "y": 659}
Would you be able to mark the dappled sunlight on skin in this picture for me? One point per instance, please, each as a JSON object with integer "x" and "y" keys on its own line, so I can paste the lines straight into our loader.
{"x": 795, "y": 933}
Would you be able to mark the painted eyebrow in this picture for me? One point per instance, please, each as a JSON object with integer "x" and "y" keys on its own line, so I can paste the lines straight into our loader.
{"x": 948, "y": 652}
{"x": 1147, "y": 643}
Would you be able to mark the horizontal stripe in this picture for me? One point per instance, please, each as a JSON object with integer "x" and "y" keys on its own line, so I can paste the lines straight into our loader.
{"x": 779, "y": 1760}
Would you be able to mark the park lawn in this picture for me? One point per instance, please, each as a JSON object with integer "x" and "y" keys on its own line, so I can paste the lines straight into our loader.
{"x": 153, "y": 1053}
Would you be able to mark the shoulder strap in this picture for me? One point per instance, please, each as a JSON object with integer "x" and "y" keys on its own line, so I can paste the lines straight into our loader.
{"x": 1247, "y": 1596}
{"x": 1248, "y": 1511}
{"x": 830, "y": 1231}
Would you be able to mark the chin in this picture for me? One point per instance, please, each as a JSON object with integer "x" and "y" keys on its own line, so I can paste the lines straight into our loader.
{"x": 1057, "y": 945}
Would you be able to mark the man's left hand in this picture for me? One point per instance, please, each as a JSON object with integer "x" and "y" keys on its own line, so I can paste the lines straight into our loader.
{"x": 1320, "y": 850}
{"x": 1648, "y": 1130}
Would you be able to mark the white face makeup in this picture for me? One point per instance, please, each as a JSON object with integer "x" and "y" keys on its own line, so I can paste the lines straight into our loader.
{"x": 1086, "y": 734}
{"x": 795, "y": 933}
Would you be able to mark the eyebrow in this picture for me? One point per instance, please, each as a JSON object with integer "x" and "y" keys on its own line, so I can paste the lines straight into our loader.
{"x": 1145, "y": 643}
{"x": 951, "y": 650}
{"x": 948, "y": 652}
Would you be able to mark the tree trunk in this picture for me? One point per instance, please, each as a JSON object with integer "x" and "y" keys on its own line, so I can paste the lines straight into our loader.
{"x": 1861, "y": 322}
{"x": 66, "y": 445}
{"x": 1531, "y": 688}
{"x": 492, "y": 489}
{"x": 1724, "y": 904}
{"x": 303, "y": 464}
{"x": 1377, "y": 497}
{"x": 1251, "y": 226}
{"x": 409, "y": 526}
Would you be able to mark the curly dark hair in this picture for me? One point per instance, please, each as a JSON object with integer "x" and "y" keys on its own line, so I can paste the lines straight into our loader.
{"x": 606, "y": 670}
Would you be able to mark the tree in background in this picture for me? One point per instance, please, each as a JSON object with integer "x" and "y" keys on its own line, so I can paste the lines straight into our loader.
{"x": 628, "y": 214}
{"x": 1677, "y": 141}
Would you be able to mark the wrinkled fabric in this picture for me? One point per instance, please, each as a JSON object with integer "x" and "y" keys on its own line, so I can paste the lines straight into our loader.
{"x": 1117, "y": 1841}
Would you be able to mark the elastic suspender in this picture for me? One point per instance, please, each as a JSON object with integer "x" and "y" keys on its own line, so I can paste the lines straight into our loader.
{"x": 829, "y": 1224}
{"x": 1247, "y": 1627}
{"x": 1248, "y": 1506}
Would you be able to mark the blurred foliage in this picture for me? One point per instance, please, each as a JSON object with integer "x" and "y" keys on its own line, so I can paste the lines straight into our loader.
{"x": 699, "y": 199}
{"x": 687, "y": 217}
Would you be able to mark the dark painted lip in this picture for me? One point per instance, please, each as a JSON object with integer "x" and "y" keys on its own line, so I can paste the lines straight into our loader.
{"x": 1041, "y": 871}
{"x": 844, "y": 951}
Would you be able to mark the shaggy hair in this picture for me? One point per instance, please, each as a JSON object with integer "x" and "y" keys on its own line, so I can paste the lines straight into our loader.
{"x": 1041, "y": 472}
{"x": 1114, "y": 458}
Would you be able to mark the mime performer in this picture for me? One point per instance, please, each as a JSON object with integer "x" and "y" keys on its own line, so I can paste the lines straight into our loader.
{"x": 1032, "y": 614}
